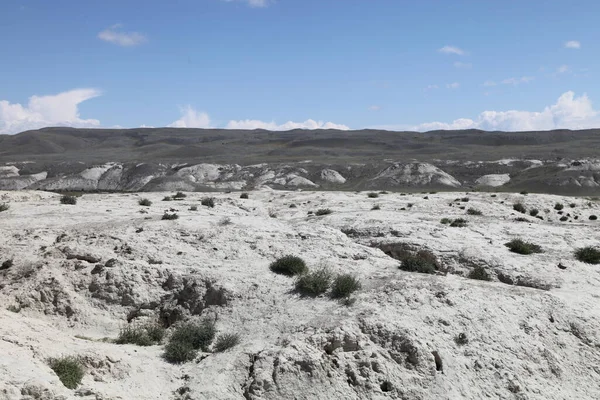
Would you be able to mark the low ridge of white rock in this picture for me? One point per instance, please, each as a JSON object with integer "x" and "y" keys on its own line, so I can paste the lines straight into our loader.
{"x": 493, "y": 180}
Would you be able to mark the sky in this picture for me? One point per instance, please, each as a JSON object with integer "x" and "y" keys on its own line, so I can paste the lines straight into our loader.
{"x": 285, "y": 64}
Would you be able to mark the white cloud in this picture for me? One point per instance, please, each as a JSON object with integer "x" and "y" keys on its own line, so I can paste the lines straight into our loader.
{"x": 459, "y": 64}
{"x": 453, "y": 85}
{"x": 517, "y": 81}
{"x": 452, "y": 50}
{"x": 42, "y": 111}
{"x": 272, "y": 126}
{"x": 432, "y": 87}
{"x": 113, "y": 35}
{"x": 190, "y": 118}
{"x": 573, "y": 44}
{"x": 569, "y": 112}
{"x": 254, "y": 3}
{"x": 562, "y": 69}
{"x": 374, "y": 108}
{"x": 489, "y": 83}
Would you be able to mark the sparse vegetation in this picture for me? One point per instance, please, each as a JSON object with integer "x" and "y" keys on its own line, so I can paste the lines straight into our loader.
{"x": 289, "y": 265}
{"x": 344, "y": 285}
{"x": 446, "y": 221}
{"x": 564, "y": 219}
{"x": 533, "y": 212}
{"x": 193, "y": 208}
{"x": 376, "y": 207}
{"x": 167, "y": 198}
{"x": 474, "y": 211}
{"x": 187, "y": 339}
{"x": 145, "y": 202}
{"x": 520, "y": 246}
{"x": 479, "y": 273}
{"x": 323, "y": 211}
{"x": 14, "y": 308}
{"x": 524, "y": 193}
{"x": 69, "y": 370}
{"x": 170, "y": 216}
{"x": 423, "y": 261}
{"x": 593, "y": 217}
{"x": 141, "y": 335}
{"x": 4, "y": 207}
{"x": 519, "y": 207}
{"x": 179, "y": 195}
{"x": 67, "y": 199}
{"x": 521, "y": 219}
{"x": 373, "y": 195}
{"x": 293, "y": 205}
{"x": 461, "y": 339}
{"x": 314, "y": 283}
{"x": 208, "y": 202}
{"x": 459, "y": 223}
{"x": 244, "y": 196}
{"x": 225, "y": 221}
{"x": 589, "y": 255}
{"x": 558, "y": 206}
{"x": 273, "y": 214}
{"x": 7, "y": 264}
{"x": 465, "y": 199}
{"x": 572, "y": 205}
{"x": 226, "y": 341}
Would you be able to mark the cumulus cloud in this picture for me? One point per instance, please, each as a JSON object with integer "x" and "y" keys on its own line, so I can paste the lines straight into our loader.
{"x": 489, "y": 83}
{"x": 452, "y": 50}
{"x": 562, "y": 69}
{"x": 517, "y": 81}
{"x": 272, "y": 126}
{"x": 569, "y": 112}
{"x": 459, "y": 64}
{"x": 453, "y": 85}
{"x": 190, "y": 118}
{"x": 573, "y": 44}
{"x": 115, "y": 36}
{"x": 42, "y": 111}
{"x": 254, "y": 3}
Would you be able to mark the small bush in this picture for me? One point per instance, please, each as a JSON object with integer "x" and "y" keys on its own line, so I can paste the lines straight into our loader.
{"x": 66, "y": 199}
{"x": 179, "y": 195}
{"x": 323, "y": 211}
{"x": 344, "y": 285}
{"x": 272, "y": 214}
{"x": 461, "y": 339}
{"x": 479, "y": 273}
{"x": 521, "y": 219}
{"x": 314, "y": 283}
{"x": 177, "y": 352}
{"x": 187, "y": 339}
{"x": 423, "y": 261}
{"x": 226, "y": 341}
{"x": 533, "y": 212}
{"x": 168, "y": 216}
{"x": 7, "y": 264}
{"x": 293, "y": 206}
{"x": 244, "y": 196}
{"x": 494, "y": 195}
{"x": 145, "y": 202}
{"x": 563, "y": 219}
{"x": 446, "y": 221}
{"x": 519, "y": 207}
{"x": 519, "y": 246}
{"x": 4, "y": 207}
{"x": 141, "y": 335}
{"x": 373, "y": 195}
{"x": 459, "y": 223}
{"x": 167, "y": 198}
{"x": 289, "y": 265}
{"x": 193, "y": 208}
{"x": 593, "y": 217}
{"x": 225, "y": 221}
{"x": 558, "y": 206}
{"x": 524, "y": 193}
{"x": 208, "y": 202}
{"x": 572, "y": 205}
{"x": 473, "y": 211}
{"x": 589, "y": 255}
{"x": 465, "y": 199}
{"x": 376, "y": 207}
{"x": 68, "y": 369}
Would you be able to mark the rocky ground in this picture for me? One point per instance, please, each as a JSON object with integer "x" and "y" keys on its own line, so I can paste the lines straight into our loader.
{"x": 80, "y": 273}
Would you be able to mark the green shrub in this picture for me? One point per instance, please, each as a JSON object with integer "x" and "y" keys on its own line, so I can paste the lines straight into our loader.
{"x": 572, "y": 205}
{"x": 226, "y": 341}
{"x": 589, "y": 255}
{"x": 141, "y": 335}
{"x": 558, "y": 206}
{"x": 446, "y": 221}
{"x": 563, "y": 219}
{"x": 376, "y": 207}
{"x": 4, "y": 207}
{"x": 68, "y": 369}
{"x": 522, "y": 219}
{"x": 293, "y": 206}
{"x": 167, "y": 198}
{"x": 494, "y": 195}
{"x": 314, "y": 283}
{"x": 193, "y": 208}
{"x": 593, "y": 217}
{"x": 424, "y": 261}
{"x": 168, "y": 216}
{"x": 473, "y": 211}
{"x": 459, "y": 223}
{"x": 524, "y": 193}
{"x": 208, "y": 202}
{"x": 244, "y": 196}
{"x": 373, "y": 195}
{"x": 344, "y": 285}
{"x": 465, "y": 199}
{"x": 66, "y": 199}
{"x": 479, "y": 273}
{"x": 145, "y": 202}
{"x": 519, "y": 246}
{"x": 179, "y": 195}
{"x": 187, "y": 339}
{"x": 519, "y": 207}
{"x": 323, "y": 211}
{"x": 289, "y": 265}
{"x": 533, "y": 212}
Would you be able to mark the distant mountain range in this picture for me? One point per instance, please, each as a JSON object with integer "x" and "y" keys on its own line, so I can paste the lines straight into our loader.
{"x": 560, "y": 161}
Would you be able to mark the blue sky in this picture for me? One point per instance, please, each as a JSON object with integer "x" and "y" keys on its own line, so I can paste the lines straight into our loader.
{"x": 258, "y": 63}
